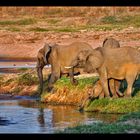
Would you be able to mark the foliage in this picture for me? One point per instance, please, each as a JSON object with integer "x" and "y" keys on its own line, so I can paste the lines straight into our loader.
{"x": 118, "y": 127}
{"x": 102, "y": 128}
{"x": 39, "y": 29}
{"x": 53, "y": 21}
{"x": 7, "y": 82}
{"x": 27, "y": 79}
{"x": 27, "y": 21}
{"x": 122, "y": 20}
{"x": 1, "y": 79}
{"x": 119, "y": 105}
{"x": 16, "y": 90}
{"x": 129, "y": 116}
{"x": 64, "y": 81}
{"x": 13, "y": 29}
{"x": 109, "y": 19}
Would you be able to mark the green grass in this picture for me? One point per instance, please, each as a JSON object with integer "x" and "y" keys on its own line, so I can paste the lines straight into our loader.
{"x": 119, "y": 105}
{"x": 27, "y": 21}
{"x": 122, "y": 20}
{"x": 7, "y": 82}
{"x": 66, "y": 29}
{"x": 13, "y": 29}
{"x": 102, "y": 128}
{"x": 1, "y": 80}
{"x": 129, "y": 116}
{"x": 16, "y": 90}
{"x": 118, "y": 127}
{"x": 27, "y": 79}
{"x": 65, "y": 82}
{"x": 53, "y": 21}
{"x": 109, "y": 19}
{"x": 39, "y": 29}
{"x": 106, "y": 23}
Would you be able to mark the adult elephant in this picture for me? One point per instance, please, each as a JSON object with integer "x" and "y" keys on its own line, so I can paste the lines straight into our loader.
{"x": 111, "y": 43}
{"x": 59, "y": 57}
{"x": 113, "y": 84}
{"x": 113, "y": 63}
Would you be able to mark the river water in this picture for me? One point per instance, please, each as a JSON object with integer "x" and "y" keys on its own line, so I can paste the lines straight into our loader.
{"x": 27, "y": 115}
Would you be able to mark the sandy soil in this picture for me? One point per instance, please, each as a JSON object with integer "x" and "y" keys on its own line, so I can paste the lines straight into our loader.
{"x": 27, "y": 44}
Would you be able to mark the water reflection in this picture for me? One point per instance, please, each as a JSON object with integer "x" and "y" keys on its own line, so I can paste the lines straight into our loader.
{"x": 67, "y": 115}
{"x": 40, "y": 117}
{"x": 31, "y": 116}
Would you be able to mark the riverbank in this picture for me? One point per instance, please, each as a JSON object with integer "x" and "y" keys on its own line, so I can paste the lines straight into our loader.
{"x": 127, "y": 124}
{"x": 26, "y": 83}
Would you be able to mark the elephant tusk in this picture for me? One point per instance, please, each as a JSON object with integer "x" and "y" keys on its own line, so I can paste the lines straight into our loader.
{"x": 68, "y": 67}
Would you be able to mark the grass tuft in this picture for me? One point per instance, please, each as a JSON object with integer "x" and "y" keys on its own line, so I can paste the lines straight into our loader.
{"x": 27, "y": 79}
{"x": 27, "y": 21}
{"x": 119, "y": 127}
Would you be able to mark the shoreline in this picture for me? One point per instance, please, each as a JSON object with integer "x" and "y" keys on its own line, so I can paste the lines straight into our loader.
{"x": 16, "y": 59}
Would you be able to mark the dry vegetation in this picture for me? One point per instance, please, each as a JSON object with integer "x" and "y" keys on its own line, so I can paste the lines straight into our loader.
{"x": 50, "y": 11}
{"x": 27, "y": 28}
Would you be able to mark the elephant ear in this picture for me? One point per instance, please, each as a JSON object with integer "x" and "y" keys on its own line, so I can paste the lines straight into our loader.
{"x": 47, "y": 50}
{"x": 95, "y": 59}
{"x": 82, "y": 56}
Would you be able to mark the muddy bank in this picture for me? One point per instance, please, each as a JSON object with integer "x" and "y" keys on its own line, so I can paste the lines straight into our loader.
{"x": 65, "y": 93}
{"x": 26, "y": 83}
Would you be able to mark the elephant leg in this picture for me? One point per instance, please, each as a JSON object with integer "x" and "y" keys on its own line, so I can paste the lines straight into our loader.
{"x": 112, "y": 88}
{"x": 104, "y": 82}
{"x": 40, "y": 76}
{"x": 102, "y": 95}
{"x": 117, "y": 87}
{"x": 53, "y": 78}
{"x": 130, "y": 80}
{"x": 98, "y": 90}
{"x": 71, "y": 74}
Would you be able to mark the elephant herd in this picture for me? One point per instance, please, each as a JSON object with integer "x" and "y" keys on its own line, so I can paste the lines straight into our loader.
{"x": 112, "y": 62}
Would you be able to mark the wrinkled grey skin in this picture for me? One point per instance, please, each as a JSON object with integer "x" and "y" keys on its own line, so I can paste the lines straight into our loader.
{"x": 60, "y": 58}
{"x": 116, "y": 63}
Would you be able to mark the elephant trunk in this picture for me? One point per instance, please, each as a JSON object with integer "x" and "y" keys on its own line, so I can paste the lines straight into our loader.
{"x": 40, "y": 76}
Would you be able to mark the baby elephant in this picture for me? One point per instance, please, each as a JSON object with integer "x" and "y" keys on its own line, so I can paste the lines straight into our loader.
{"x": 97, "y": 90}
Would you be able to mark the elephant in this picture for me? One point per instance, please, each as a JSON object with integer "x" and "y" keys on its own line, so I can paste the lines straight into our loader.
{"x": 59, "y": 57}
{"x": 111, "y": 43}
{"x": 97, "y": 90}
{"x": 112, "y": 63}
{"x": 114, "y": 84}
